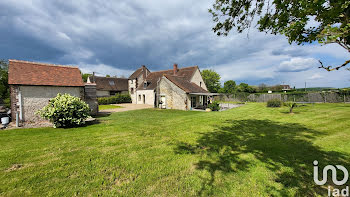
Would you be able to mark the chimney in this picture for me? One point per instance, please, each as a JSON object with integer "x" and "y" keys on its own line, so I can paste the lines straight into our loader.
{"x": 175, "y": 69}
{"x": 93, "y": 77}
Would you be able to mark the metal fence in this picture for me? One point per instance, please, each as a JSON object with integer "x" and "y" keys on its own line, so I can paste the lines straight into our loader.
{"x": 314, "y": 97}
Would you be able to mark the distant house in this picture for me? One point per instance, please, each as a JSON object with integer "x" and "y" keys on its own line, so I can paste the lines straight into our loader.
{"x": 285, "y": 87}
{"x": 177, "y": 88}
{"x": 109, "y": 86}
{"x": 32, "y": 85}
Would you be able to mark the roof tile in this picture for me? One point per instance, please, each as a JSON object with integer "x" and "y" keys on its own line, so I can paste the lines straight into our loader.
{"x": 32, "y": 73}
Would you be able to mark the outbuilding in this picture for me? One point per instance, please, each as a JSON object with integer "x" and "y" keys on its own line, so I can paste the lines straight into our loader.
{"x": 33, "y": 84}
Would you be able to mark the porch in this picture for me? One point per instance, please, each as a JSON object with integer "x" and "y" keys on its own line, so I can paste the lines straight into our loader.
{"x": 200, "y": 101}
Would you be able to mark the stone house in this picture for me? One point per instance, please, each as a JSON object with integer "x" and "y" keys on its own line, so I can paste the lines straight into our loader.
{"x": 32, "y": 85}
{"x": 109, "y": 86}
{"x": 177, "y": 88}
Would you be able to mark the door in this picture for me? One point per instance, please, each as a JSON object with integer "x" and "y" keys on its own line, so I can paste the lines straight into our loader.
{"x": 144, "y": 99}
{"x": 163, "y": 102}
{"x": 193, "y": 102}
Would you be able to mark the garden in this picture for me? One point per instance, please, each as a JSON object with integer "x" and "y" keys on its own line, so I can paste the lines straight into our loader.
{"x": 252, "y": 150}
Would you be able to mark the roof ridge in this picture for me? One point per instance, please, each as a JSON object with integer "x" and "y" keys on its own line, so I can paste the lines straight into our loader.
{"x": 43, "y": 64}
{"x": 110, "y": 77}
{"x": 172, "y": 69}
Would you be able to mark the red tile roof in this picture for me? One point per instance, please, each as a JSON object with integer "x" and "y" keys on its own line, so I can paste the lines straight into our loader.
{"x": 32, "y": 73}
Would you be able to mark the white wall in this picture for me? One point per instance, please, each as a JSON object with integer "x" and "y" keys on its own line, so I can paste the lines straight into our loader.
{"x": 132, "y": 84}
{"x": 149, "y": 94}
{"x": 197, "y": 78}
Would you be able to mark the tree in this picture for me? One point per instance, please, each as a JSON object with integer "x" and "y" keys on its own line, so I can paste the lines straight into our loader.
{"x": 108, "y": 75}
{"x": 85, "y": 76}
{"x": 4, "y": 86}
{"x": 229, "y": 87}
{"x": 262, "y": 87}
{"x": 211, "y": 80}
{"x": 243, "y": 87}
{"x": 301, "y": 21}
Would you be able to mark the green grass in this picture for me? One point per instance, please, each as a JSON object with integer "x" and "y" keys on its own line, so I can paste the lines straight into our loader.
{"x": 104, "y": 107}
{"x": 247, "y": 151}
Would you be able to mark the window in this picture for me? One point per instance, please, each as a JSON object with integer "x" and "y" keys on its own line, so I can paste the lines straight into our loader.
{"x": 139, "y": 97}
{"x": 132, "y": 90}
{"x": 132, "y": 81}
{"x": 113, "y": 93}
{"x": 111, "y": 83}
{"x": 200, "y": 84}
{"x": 193, "y": 101}
{"x": 145, "y": 85}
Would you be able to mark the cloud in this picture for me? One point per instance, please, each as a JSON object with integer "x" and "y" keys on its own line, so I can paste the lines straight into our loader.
{"x": 113, "y": 37}
{"x": 297, "y": 64}
{"x": 316, "y": 76}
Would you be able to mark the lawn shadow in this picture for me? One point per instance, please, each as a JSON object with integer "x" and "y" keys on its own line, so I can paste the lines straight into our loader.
{"x": 285, "y": 148}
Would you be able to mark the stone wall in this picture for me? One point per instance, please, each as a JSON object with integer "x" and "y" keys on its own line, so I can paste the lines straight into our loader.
{"x": 35, "y": 98}
{"x": 14, "y": 101}
{"x": 91, "y": 98}
{"x": 176, "y": 98}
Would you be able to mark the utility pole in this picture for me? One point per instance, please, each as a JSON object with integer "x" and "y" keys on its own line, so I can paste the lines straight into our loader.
{"x": 305, "y": 86}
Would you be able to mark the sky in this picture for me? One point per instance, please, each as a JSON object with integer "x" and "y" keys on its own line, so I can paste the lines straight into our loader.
{"x": 117, "y": 37}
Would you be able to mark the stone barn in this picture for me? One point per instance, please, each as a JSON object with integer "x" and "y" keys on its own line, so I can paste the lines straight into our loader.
{"x": 32, "y": 85}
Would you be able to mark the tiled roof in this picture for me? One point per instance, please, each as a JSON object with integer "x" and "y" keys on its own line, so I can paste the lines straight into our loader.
{"x": 136, "y": 73}
{"x": 153, "y": 77}
{"x": 185, "y": 85}
{"x": 143, "y": 70}
{"x": 32, "y": 73}
{"x": 110, "y": 83}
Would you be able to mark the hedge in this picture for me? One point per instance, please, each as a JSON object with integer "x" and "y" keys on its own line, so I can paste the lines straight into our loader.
{"x": 119, "y": 98}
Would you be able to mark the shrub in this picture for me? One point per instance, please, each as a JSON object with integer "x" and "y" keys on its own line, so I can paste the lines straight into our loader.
{"x": 119, "y": 98}
{"x": 7, "y": 102}
{"x": 274, "y": 103}
{"x": 214, "y": 106}
{"x": 65, "y": 111}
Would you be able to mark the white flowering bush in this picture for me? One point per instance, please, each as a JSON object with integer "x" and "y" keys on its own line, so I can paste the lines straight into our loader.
{"x": 65, "y": 111}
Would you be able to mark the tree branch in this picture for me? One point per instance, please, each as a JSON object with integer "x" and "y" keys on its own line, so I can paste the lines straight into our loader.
{"x": 330, "y": 68}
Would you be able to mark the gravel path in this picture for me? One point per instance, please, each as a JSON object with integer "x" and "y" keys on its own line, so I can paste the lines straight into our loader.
{"x": 127, "y": 107}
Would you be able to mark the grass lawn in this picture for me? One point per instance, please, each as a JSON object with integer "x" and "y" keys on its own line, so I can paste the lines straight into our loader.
{"x": 247, "y": 151}
{"x": 104, "y": 107}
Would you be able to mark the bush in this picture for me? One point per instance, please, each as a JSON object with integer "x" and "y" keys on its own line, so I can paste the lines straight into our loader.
{"x": 274, "y": 103}
{"x": 119, "y": 98}
{"x": 65, "y": 111}
{"x": 214, "y": 106}
{"x": 7, "y": 102}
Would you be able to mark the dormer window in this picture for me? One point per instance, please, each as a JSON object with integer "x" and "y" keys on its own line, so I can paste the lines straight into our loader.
{"x": 111, "y": 83}
{"x": 145, "y": 85}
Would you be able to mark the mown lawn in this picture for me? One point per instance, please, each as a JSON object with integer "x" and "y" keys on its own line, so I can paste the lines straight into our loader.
{"x": 104, "y": 107}
{"x": 247, "y": 151}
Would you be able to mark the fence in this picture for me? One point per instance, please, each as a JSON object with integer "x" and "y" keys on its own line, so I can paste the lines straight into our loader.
{"x": 314, "y": 97}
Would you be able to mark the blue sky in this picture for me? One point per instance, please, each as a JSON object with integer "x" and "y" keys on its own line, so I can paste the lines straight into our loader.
{"x": 116, "y": 37}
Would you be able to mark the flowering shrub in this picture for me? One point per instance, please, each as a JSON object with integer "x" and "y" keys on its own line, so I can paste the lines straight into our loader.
{"x": 65, "y": 111}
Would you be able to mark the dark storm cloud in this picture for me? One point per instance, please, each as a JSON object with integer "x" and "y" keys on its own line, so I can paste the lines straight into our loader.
{"x": 119, "y": 36}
